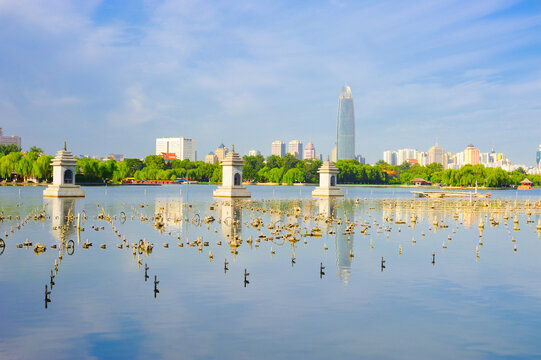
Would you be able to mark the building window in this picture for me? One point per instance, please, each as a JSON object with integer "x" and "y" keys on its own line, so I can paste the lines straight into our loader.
{"x": 333, "y": 180}
{"x": 68, "y": 177}
{"x": 236, "y": 180}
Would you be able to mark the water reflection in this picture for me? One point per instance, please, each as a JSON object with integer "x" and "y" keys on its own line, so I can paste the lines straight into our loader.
{"x": 344, "y": 241}
{"x": 61, "y": 216}
{"x": 230, "y": 217}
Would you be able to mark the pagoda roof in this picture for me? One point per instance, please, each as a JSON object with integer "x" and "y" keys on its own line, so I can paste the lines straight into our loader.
{"x": 328, "y": 168}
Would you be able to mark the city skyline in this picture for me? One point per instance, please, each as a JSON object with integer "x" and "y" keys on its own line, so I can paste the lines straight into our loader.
{"x": 109, "y": 80}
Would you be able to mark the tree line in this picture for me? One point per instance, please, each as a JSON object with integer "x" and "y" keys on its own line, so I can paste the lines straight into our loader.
{"x": 34, "y": 165}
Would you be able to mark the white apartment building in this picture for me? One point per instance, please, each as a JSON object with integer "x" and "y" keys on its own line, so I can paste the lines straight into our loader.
{"x": 183, "y": 148}
{"x": 390, "y": 157}
{"x": 278, "y": 148}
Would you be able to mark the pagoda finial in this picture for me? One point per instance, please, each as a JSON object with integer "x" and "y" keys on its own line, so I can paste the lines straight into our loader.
{"x": 65, "y": 145}
{"x": 328, "y": 159}
{"x": 233, "y": 148}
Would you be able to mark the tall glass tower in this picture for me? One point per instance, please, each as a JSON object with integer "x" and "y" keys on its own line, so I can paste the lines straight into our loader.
{"x": 345, "y": 134}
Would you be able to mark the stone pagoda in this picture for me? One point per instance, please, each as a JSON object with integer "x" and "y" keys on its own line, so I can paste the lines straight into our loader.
{"x": 232, "y": 178}
{"x": 63, "y": 177}
{"x": 328, "y": 174}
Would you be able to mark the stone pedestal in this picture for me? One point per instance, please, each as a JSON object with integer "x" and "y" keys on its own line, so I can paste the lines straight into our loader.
{"x": 327, "y": 181}
{"x": 63, "y": 177}
{"x": 232, "y": 178}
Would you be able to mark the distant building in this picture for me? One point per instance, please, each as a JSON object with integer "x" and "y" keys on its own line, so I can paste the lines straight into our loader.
{"x": 405, "y": 155}
{"x": 221, "y": 152}
{"x": 360, "y": 159}
{"x": 117, "y": 157}
{"x": 471, "y": 155}
{"x": 538, "y": 157}
{"x": 423, "y": 158}
{"x": 295, "y": 149}
{"x": 390, "y": 157}
{"x": 9, "y": 140}
{"x": 278, "y": 148}
{"x": 310, "y": 151}
{"x": 211, "y": 158}
{"x": 435, "y": 155}
{"x": 168, "y": 157}
{"x": 254, "y": 153}
{"x": 334, "y": 157}
{"x": 183, "y": 148}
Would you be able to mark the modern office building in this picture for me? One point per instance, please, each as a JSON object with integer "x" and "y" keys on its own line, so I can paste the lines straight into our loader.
{"x": 310, "y": 151}
{"x": 183, "y": 148}
{"x": 471, "y": 155}
{"x": 345, "y": 134}
{"x": 9, "y": 140}
{"x": 254, "y": 153}
{"x": 295, "y": 149}
{"x": 435, "y": 155}
{"x": 278, "y": 148}
{"x": 538, "y": 157}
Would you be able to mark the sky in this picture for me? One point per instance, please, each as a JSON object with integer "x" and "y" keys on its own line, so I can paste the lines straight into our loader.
{"x": 112, "y": 76}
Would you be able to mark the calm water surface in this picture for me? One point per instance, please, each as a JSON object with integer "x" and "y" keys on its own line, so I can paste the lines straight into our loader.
{"x": 462, "y": 306}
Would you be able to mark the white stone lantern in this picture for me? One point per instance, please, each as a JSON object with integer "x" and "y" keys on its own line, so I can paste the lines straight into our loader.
{"x": 232, "y": 178}
{"x": 328, "y": 175}
{"x": 63, "y": 176}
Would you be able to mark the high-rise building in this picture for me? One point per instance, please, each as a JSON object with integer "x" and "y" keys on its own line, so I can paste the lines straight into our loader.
{"x": 221, "y": 152}
{"x": 278, "y": 148}
{"x": 345, "y": 137}
{"x": 183, "y": 148}
{"x": 9, "y": 140}
{"x": 406, "y": 155}
{"x": 334, "y": 155}
{"x": 423, "y": 158}
{"x": 254, "y": 153}
{"x": 471, "y": 155}
{"x": 538, "y": 157}
{"x": 390, "y": 157}
{"x": 295, "y": 149}
{"x": 211, "y": 158}
{"x": 310, "y": 151}
{"x": 435, "y": 154}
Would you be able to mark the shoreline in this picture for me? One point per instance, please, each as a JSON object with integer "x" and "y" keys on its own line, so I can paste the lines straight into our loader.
{"x": 284, "y": 184}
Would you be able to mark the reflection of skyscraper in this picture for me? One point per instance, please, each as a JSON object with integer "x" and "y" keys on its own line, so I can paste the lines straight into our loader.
{"x": 344, "y": 243}
{"x": 346, "y": 126}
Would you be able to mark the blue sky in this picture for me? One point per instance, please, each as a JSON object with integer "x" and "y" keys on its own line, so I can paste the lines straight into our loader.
{"x": 111, "y": 76}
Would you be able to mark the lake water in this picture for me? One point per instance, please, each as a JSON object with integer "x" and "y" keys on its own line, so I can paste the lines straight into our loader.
{"x": 465, "y": 304}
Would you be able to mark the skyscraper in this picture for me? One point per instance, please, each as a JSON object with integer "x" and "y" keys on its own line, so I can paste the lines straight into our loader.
{"x": 435, "y": 154}
{"x": 538, "y": 157}
{"x": 278, "y": 148}
{"x": 295, "y": 149}
{"x": 310, "y": 151}
{"x": 471, "y": 155}
{"x": 345, "y": 134}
